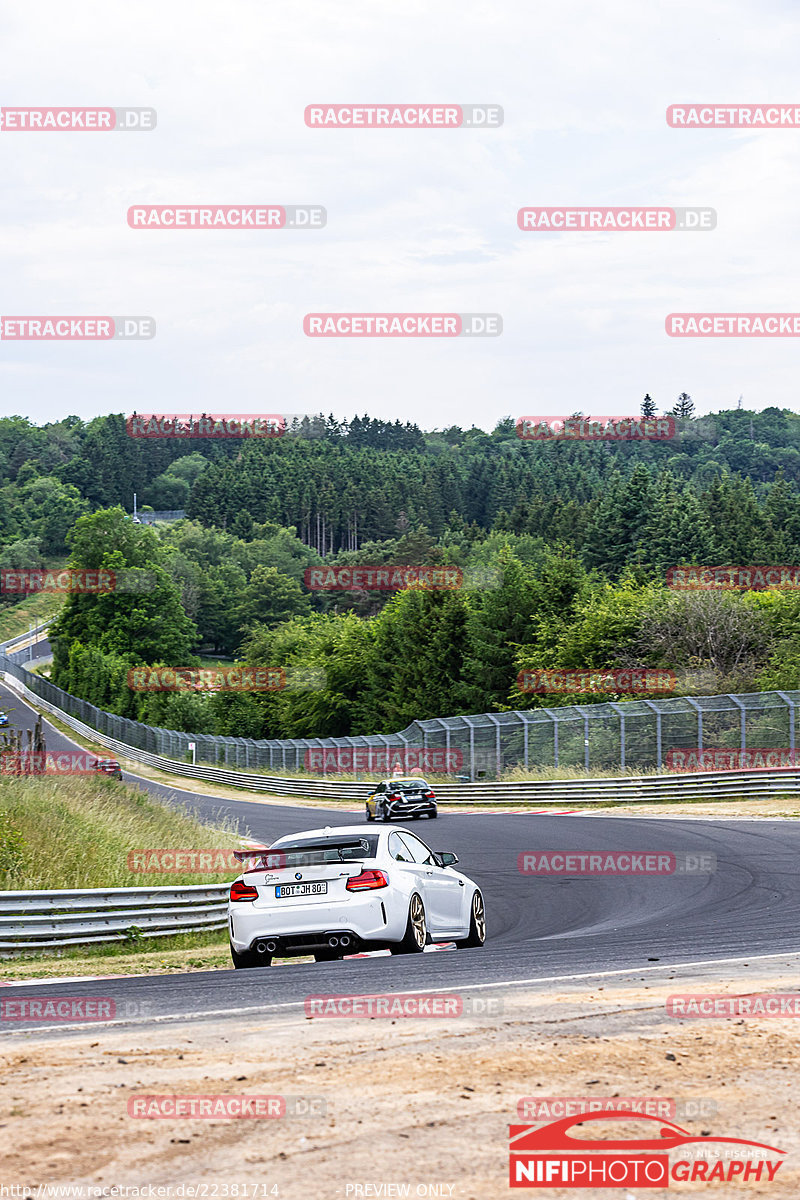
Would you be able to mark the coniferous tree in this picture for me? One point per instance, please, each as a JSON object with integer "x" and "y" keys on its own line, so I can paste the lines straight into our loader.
{"x": 684, "y": 406}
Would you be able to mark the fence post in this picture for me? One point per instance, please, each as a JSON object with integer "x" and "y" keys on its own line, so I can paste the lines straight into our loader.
{"x": 742, "y": 716}
{"x": 621, "y": 716}
{"x": 521, "y": 715}
{"x": 471, "y": 749}
{"x": 790, "y": 705}
{"x": 585, "y": 736}
{"x": 554, "y": 718}
{"x": 446, "y": 729}
{"x": 699, "y": 712}
{"x": 498, "y": 756}
{"x": 404, "y": 740}
{"x": 657, "y": 711}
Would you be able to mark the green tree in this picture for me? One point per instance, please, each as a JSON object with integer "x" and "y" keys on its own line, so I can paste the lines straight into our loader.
{"x": 499, "y": 624}
{"x": 684, "y": 405}
{"x": 270, "y": 598}
{"x": 141, "y": 619}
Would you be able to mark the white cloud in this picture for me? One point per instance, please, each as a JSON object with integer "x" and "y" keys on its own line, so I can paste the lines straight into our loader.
{"x": 417, "y": 221}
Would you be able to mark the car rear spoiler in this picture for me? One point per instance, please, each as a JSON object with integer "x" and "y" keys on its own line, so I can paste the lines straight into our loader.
{"x": 271, "y": 860}
{"x": 356, "y": 843}
{"x": 242, "y": 855}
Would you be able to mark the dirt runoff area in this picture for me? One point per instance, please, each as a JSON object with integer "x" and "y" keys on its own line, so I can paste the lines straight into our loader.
{"x": 402, "y": 1106}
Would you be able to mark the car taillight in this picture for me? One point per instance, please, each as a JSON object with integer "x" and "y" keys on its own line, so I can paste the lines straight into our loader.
{"x": 430, "y": 795}
{"x": 366, "y": 881}
{"x": 393, "y": 796}
{"x": 243, "y": 891}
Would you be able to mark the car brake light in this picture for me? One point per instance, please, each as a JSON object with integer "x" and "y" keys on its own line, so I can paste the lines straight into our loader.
{"x": 393, "y": 796}
{"x": 430, "y": 795}
{"x": 243, "y": 891}
{"x": 367, "y": 881}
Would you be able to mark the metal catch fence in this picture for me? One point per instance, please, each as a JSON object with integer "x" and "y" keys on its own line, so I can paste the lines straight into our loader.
{"x": 634, "y": 735}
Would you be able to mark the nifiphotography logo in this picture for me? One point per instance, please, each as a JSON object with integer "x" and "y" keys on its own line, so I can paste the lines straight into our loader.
{"x": 552, "y": 1156}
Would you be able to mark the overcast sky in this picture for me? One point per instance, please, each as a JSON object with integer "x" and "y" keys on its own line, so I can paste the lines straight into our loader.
{"x": 417, "y": 220}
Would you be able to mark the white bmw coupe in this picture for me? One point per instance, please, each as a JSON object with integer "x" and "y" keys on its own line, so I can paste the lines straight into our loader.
{"x": 331, "y": 892}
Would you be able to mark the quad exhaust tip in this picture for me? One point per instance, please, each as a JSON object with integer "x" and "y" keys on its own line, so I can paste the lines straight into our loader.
{"x": 266, "y": 947}
{"x": 344, "y": 941}
{"x": 333, "y": 941}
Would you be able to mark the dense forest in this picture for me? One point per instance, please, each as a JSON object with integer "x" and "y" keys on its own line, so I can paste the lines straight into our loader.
{"x": 564, "y": 548}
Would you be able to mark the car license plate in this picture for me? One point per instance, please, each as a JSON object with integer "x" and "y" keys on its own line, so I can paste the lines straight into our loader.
{"x": 301, "y": 889}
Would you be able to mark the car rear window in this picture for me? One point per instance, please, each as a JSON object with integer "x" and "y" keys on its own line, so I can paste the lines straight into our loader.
{"x": 409, "y": 785}
{"x": 300, "y": 852}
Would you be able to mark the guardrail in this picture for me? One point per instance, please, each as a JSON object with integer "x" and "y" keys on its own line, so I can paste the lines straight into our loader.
{"x": 31, "y": 635}
{"x": 629, "y": 789}
{"x": 44, "y": 920}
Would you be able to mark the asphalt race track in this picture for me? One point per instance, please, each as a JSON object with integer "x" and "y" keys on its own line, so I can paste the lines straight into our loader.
{"x": 538, "y": 928}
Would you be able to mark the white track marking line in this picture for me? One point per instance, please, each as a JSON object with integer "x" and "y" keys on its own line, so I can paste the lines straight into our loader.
{"x": 470, "y": 987}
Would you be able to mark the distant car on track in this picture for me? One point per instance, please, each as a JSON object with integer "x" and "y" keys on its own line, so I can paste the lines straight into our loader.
{"x": 405, "y": 798}
{"x": 3, "y": 718}
{"x": 332, "y": 892}
{"x": 107, "y": 766}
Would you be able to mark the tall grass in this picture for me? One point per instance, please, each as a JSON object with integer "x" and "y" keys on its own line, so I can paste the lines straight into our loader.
{"x": 69, "y": 832}
{"x": 33, "y": 610}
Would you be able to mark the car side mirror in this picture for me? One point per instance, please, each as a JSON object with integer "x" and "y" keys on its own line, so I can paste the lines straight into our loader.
{"x": 446, "y": 858}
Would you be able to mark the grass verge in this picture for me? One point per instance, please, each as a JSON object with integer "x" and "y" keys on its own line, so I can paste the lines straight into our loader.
{"x": 152, "y": 956}
{"x": 73, "y": 832}
{"x": 34, "y": 609}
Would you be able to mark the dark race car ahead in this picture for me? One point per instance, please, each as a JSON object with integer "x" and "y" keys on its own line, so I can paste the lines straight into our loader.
{"x": 407, "y": 799}
{"x": 107, "y": 766}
